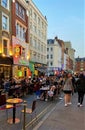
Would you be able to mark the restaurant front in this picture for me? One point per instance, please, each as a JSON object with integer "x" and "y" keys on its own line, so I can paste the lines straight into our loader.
{"x": 21, "y": 68}
{"x": 6, "y": 67}
{"x": 20, "y": 58}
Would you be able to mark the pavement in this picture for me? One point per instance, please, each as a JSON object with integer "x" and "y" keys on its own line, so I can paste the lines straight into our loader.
{"x": 60, "y": 117}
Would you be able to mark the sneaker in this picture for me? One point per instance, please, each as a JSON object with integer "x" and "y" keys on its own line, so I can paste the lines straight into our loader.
{"x": 78, "y": 104}
{"x": 69, "y": 103}
{"x": 46, "y": 100}
{"x": 66, "y": 105}
{"x": 38, "y": 97}
{"x": 81, "y": 105}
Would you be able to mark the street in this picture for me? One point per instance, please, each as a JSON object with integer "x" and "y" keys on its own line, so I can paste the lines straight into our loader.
{"x": 42, "y": 108}
{"x": 51, "y": 115}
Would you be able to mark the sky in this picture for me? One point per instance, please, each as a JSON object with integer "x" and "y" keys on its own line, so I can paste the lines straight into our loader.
{"x": 66, "y": 19}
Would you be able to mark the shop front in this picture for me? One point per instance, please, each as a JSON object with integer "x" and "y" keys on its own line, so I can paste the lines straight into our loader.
{"x": 32, "y": 69}
{"x": 21, "y": 68}
{"x": 6, "y": 67}
{"x": 21, "y": 71}
{"x": 40, "y": 69}
{"x": 20, "y": 58}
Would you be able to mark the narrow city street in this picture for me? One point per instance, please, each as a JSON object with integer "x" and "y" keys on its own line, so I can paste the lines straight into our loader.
{"x": 42, "y": 108}
{"x": 51, "y": 115}
{"x": 42, "y": 65}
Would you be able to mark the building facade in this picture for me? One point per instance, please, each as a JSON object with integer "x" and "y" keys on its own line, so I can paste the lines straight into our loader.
{"x": 79, "y": 64}
{"x": 54, "y": 56}
{"x": 37, "y": 38}
{"x": 6, "y": 60}
{"x": 71, "y": 53}
{"x": 20, "y": 38}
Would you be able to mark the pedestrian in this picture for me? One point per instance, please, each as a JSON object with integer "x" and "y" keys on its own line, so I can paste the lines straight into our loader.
{"x": 68, "y": 89}
{"x": 80, "y": 89}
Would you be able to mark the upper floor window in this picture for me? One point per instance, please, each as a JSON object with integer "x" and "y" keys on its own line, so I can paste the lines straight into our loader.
{"x": 5, "y": 50}
{"x": 20, "y": 11}
{"x": 51, "y": 56}
{"x": 35, "y": 16}
{"x": 5, "y": 3}
{"x": 51, "y": 49}
{"x": 20, "y": 32}
{"x": 51, "y": 63}
{"x": 23, "y": 52}
{"x": 31, "y": 12}
{"x": 5, "y": 22}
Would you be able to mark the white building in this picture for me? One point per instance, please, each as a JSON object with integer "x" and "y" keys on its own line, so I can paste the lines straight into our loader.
{"x": 54, "y": 54}
{"x": 37, "y": 35}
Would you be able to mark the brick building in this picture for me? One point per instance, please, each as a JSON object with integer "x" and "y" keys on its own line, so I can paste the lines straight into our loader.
{"x": 79, "y": 64}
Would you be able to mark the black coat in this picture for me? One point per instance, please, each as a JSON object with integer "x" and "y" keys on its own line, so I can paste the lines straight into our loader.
{"x": 80, "y": 85}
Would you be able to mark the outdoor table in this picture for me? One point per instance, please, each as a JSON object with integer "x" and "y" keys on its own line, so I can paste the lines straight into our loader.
{"x": 44, "y": 88}
{"x": 14, "y": 101}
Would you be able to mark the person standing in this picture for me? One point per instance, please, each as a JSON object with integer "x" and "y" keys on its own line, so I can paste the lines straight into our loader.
{"x": 80, "y": 89}
{"x": 68, "y": 89}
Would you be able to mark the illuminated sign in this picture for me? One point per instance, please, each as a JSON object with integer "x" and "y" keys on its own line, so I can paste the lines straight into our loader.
{"x": 17, "y": 50}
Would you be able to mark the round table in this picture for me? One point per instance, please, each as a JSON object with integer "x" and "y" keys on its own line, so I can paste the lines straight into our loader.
{"x": 14, "y": 101}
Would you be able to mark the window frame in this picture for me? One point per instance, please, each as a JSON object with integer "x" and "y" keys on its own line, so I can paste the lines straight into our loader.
{"x": 7, "y": 45}
{"x": 5, "y": 3}
{"x": 7, "y": 24}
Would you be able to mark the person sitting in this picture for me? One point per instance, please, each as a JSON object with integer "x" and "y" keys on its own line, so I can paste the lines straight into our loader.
{"x": 51, "y": 92}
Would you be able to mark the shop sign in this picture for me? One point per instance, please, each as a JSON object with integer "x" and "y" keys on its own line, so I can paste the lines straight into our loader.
{"x": 17, "y": 50}
{"x": 23, "y": 62}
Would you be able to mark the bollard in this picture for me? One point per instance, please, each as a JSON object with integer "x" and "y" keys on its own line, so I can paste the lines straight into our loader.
{"x": 24, "y": 117}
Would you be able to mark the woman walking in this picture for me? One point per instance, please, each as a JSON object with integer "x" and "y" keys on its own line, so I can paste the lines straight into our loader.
{"x": 80, "y": 89}
{"x": 68, "y": 89}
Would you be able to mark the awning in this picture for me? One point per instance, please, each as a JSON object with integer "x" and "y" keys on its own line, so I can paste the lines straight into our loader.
{"x": 41, "y": 70}
{"x": 6, "y": 60}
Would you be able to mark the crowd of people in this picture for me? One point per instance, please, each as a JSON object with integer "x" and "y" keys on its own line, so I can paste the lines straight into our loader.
{"x": 67, "y": 83}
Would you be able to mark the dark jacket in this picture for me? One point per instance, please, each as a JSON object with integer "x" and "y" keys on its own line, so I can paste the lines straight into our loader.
{"x": 80, "y": 84}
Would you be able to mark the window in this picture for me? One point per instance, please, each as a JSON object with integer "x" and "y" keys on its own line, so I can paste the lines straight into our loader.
{"x": 5, "y": 47}
{"x": 17, "y": 8}
{"x": 38, "y": 21}
{"x": 5, "y": 3}
{"x": 5, "y": 22}
{"x": 51, "y": 49}
{"x": 31, "y": 12}
{"x": 20, "y": 31}
{"x": 23, "y": 52}
{"x": 51, "y": 56}
{"x": 42, "y": 25}
{"x": 20, "y": 11}
{"x": 51, "y": 63}
{"x": 35, "y": 43}
{"x": 47, "y": 56}
{"x": 35, "y": 16}
{"x": 31, "y": 41}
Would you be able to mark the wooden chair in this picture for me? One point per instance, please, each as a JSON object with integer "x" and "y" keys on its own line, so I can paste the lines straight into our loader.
{"x": 31, "y": 110}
